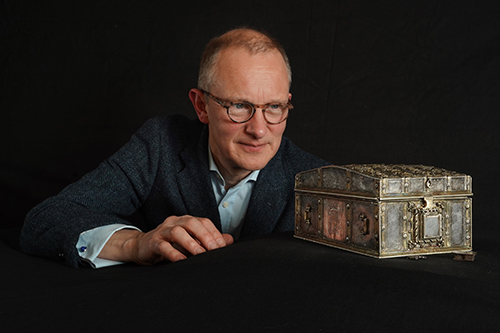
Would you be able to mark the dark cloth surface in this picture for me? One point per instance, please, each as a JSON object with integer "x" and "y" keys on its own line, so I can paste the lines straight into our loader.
{"x": 162, "y": 171}
{"x": 273, "y": 283}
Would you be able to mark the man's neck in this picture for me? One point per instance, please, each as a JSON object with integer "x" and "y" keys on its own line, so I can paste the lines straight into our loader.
{"x": 231, "y": 177}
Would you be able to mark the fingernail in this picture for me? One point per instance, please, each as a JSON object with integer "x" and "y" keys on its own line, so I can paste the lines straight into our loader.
{"x": 198, "y": 250}
{"x": 213, "y": 246}
{"x": 221, "y": 242}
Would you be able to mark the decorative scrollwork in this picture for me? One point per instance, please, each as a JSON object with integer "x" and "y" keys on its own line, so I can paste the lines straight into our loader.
{"x": 426, "y": 216}
{"x": 400, "y": 170}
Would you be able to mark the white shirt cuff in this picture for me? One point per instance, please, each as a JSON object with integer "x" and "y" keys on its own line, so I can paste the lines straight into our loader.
{"x": 91, "y": 242}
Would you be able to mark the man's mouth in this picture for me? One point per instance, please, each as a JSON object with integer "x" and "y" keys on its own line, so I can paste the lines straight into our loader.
{"x": 253, "y": 147}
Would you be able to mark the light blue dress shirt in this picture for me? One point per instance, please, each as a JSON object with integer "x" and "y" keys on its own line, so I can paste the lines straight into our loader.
{"x": 232, "y": 205}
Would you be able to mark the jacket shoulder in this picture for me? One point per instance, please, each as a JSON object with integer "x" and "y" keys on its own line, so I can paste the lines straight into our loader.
{"x": 173, "y": 131}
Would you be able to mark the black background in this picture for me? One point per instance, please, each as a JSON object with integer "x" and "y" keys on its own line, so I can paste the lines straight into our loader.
{"x": 412, "y": 82}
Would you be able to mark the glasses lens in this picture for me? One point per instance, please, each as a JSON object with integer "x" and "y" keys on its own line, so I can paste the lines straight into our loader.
{"x": 240, "y": 112}
{"x": 276, "y": 113}
{"x": 243, "y": 111}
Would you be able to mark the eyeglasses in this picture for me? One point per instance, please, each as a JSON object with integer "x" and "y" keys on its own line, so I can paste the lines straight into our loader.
{"x": 241, "y": 112}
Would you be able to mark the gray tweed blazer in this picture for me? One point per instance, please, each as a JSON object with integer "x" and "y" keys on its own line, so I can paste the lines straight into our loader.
{"x": 162, "y": 171}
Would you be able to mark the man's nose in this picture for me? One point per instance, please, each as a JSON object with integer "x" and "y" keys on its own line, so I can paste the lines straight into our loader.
{"x": 257, "y": 126}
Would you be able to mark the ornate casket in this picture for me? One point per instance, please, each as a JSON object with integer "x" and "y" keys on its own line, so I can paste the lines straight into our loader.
{"x": 385, "y": 211}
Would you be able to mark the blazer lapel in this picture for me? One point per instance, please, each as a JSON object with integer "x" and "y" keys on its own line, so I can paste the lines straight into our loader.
{"x": 195, "y": 184}
{"x": 267, "y": 201}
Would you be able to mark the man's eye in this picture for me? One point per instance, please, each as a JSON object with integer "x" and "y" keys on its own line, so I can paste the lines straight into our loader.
{"x": 239, "y": 106}
{"x": 274, "y": 106}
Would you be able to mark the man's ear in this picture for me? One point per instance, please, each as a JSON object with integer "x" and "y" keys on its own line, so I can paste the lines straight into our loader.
{"x": 197, "y": 97}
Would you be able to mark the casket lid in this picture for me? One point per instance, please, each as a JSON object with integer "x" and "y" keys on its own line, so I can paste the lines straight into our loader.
{"x": 384, "y": 180}
{"x": 400, "y": 170}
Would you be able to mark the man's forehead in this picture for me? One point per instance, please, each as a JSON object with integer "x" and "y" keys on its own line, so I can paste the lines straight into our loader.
{"x": 239, "y": 61}
{"x": 256, "y": 78}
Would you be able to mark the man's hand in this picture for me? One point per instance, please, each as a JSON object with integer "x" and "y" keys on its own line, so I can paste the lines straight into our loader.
{"x": 175, "y": 239}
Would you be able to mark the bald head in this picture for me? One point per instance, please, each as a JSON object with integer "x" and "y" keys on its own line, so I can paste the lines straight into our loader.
{"x": 252, "y": 41}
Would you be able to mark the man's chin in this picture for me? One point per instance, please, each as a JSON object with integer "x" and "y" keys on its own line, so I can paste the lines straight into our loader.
{"x": 253, "y": 164}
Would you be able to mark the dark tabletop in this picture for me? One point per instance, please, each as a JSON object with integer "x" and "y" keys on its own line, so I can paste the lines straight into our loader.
{"x": 274, "y": 283}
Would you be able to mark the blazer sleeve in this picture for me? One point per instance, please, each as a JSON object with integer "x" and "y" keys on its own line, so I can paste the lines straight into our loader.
{"x": 114, "y": 190}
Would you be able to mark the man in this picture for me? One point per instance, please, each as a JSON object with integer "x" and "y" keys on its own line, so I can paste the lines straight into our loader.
{"x": 197, "y": 184}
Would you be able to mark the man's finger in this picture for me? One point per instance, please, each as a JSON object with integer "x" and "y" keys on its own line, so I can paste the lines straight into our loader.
{"x": 169, "y": 252}
{"x": 228, "y": 239}
{"x": 204, "y": 231}
{"x": 183, "y": 238}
